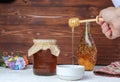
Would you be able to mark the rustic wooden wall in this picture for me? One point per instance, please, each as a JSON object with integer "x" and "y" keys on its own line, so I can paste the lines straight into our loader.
{"x": 23, "y": 20}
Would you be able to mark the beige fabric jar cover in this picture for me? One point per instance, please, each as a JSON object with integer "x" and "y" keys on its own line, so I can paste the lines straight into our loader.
{"x": 44, "y": 44}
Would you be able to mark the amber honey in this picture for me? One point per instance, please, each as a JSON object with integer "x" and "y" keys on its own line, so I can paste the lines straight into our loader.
{"x": 87, "y": 51}
{"x": 45, "y": 53}
{"x": 44, "y": 63}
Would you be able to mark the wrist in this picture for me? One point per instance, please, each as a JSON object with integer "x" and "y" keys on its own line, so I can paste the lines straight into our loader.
{"x": 118, "y": 11}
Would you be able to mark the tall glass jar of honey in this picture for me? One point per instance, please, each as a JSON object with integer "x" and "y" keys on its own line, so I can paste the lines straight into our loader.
{"x": 87, "y": 50}
{"x": 45, "y": 52}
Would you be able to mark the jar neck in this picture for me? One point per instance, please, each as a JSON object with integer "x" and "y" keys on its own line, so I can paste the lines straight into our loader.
{"x": 87, "y": 28}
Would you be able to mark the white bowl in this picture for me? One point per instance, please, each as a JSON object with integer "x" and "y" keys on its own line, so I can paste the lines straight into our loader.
{"x": 70, "y": 72}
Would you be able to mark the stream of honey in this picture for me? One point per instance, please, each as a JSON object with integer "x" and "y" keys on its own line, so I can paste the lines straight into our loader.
{"x": 73, "y": 62}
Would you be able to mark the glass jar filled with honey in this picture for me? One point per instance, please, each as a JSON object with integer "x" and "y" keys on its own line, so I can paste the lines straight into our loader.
{"x": 87, "y": 50}
{"x": 45, "y": 52}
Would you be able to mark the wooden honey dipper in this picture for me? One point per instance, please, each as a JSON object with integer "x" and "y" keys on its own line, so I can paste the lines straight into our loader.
{"x": 75, "y": 22}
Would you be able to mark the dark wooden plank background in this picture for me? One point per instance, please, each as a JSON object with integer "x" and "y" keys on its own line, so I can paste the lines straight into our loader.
{"x": 20, "y": 24}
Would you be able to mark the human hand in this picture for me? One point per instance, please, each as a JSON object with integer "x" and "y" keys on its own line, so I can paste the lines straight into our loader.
{"x": 111, "y": 24}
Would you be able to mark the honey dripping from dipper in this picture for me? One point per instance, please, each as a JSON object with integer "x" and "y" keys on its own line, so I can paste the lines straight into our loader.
{"x": 86, "y": 50}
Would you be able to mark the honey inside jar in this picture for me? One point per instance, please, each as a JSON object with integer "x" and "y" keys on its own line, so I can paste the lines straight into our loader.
{"x": 45, "y": 52}
{"x": 87, "y": 51}
{"x": 44, "y": 63}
